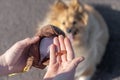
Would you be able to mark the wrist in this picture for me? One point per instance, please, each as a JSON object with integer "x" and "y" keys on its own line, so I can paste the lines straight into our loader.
{"x": 48, "y": 76}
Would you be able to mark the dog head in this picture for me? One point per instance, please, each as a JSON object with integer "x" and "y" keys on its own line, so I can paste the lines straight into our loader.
{"x": 71, "y": 17}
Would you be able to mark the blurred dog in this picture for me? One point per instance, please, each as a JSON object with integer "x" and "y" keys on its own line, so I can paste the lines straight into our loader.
{"x": 86, "y": 29}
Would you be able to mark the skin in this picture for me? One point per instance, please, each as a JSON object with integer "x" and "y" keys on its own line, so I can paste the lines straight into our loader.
{"x": 61, "y": 67}
{"x": 14, "y": 59}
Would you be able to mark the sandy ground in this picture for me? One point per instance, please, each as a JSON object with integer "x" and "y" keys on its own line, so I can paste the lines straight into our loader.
{"x": 19, "y": 19}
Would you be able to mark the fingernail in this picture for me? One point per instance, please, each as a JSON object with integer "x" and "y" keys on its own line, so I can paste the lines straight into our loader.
{"x": 61, "y": 36}
{"x": 55, "y": 38}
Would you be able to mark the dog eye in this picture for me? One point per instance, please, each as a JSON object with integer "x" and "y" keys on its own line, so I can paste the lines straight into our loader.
{"x": 63, "y": 23}
{"x": 74, "y": 22}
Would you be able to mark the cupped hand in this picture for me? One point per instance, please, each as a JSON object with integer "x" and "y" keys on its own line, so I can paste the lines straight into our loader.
{"x": 15, "y": 58}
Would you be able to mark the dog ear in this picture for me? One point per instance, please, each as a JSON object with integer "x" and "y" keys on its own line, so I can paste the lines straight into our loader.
{"x": 76, "y": 5}
{"x": 59, "y": 5}
{"x": 74, "y": 1}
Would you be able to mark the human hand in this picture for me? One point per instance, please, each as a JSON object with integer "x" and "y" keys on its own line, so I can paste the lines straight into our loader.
{"x": 14, "y": 59}
{"x": 62, "y": 67}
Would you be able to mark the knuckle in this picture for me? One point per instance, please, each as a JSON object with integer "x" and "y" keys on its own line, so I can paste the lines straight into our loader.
{"x": 23, "y": 42}
{"x": 19, "y": 43}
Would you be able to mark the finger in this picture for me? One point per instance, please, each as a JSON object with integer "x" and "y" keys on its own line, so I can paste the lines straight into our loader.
{"x": 76, "y": 61}
{"x": 22, "y": 43}
{"x": 62, "y": 47}
{"x": 56, "y": 42}
{"x": 52, "y": 54}
{"x": 70, "y": 52}
{"x": 26, "y": 42}
{"x": 33, "y": 40}
{"x": 61, "y": 40}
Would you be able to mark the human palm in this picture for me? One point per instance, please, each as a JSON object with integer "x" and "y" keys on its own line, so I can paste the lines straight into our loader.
{"x": 62, "y": 61}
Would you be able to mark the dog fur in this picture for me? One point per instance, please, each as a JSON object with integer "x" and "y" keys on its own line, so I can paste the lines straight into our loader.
{"x": 87, "y": 30}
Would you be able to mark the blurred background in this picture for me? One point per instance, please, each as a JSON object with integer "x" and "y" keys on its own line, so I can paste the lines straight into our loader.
{"x": 19, "y": 19}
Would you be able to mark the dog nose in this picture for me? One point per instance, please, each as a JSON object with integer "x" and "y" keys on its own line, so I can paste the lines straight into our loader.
{"x": 69, "y": 30}
{"x": 72, "y": 30}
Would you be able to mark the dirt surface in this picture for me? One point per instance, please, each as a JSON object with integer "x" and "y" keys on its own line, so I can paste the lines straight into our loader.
{"x": 19, "y": 19}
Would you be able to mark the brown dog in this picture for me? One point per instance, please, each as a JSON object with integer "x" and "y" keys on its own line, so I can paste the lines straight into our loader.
{"x": 86, "y": 29}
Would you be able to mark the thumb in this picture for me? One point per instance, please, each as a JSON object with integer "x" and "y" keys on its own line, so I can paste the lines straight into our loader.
{"x": 76, "y": 61}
